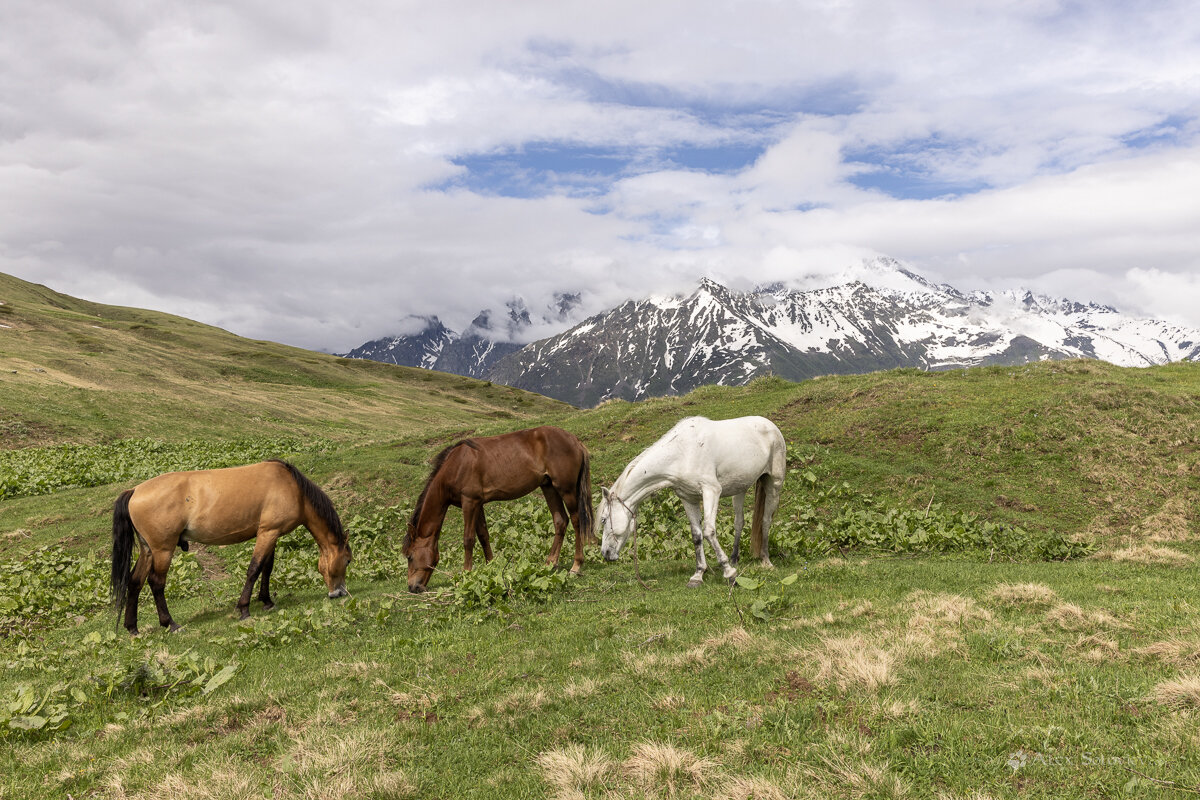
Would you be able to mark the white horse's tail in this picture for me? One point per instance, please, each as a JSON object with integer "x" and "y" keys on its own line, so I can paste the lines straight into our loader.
{"x": 757, "y": 534}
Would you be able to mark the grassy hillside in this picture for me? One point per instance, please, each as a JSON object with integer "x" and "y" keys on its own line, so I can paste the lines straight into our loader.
{"x": 76, "y": 371}
{"x": 919, "y": 637}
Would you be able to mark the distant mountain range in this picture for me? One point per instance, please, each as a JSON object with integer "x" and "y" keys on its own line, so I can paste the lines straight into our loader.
{"x": 474, "y": 351}
{"x": 887, "y": 317}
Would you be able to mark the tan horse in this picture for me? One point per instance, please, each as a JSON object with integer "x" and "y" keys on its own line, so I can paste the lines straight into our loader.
{"x": 477, "y": 471}
{"x": 220, "y": 506}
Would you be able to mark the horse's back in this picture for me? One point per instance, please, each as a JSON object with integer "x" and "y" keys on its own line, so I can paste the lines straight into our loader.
{"x": 511, "y": 465}
{"x": 737, "y": 451}
{"x": 217, "y": 506}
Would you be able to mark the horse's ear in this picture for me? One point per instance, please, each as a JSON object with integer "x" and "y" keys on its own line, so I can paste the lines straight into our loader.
{"x": 604, "y": 492}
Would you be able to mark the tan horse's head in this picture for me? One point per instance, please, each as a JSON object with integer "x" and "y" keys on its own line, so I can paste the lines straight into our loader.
{"x": 422, "y": 553}
{"x": 332, "y": 565}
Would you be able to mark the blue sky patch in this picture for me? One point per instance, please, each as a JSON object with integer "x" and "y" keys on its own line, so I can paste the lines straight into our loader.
{"x": 547, "y": 168}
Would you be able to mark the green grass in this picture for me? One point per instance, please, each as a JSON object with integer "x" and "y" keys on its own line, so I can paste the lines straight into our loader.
{"x": 915, "y": 667}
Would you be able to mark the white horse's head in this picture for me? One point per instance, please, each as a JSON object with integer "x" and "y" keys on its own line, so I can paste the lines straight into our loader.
{"x": 617, "y": 521}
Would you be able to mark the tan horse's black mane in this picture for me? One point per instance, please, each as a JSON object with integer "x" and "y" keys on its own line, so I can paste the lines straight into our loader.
{"x": 439, "y": 461}
{"x": 319, "y": 501}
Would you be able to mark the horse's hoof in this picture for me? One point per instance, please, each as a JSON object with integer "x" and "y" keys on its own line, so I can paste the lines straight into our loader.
{"x": 732, "y": 579}
{"x": 133, "y": 633}
{"x": 174, "y": 628}
{"x": 268, "y": 606}
{"x": 695, "y": 583}
{"x": 576, "y": 572}
{"x": 243, "y": 615}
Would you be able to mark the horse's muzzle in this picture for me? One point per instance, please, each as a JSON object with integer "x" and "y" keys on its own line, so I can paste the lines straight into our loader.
{"x": 416, "y": 588}
{"x": 608, "y": 555}
{"x": 338, "y": 592}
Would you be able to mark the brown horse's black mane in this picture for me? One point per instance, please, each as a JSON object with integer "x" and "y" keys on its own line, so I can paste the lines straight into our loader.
{"x": 319, "y": 501}
{"x": 438, "y": 462}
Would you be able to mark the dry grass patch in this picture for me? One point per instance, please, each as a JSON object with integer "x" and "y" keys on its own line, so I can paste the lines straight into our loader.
{"x": 580, "y": 689}
{"x": 668, "y": 702}
{"x": 841, "y": 777}
{"x": 1023, "y": 594}
{"x": 339, "y": 763}
{"x": 743, "y": 788}
{"x": 853, "y": 661}
{"x": 817, "y": 621}
{"x": 574, "y": 770}
{"x": 893, "y": 709}
{"x": 522, "y": 700}
{"x": 1171, "y": 523}
{"x": 932, "y": 610}
{"x": 1181, "y": 693}
{"x": 1145, "y": 554}
{"x": 224, "y": 780}
{"x": 663, "y": 769}
{"x": 1179, "y": 652}
{"x": 416, "y": 700}
{"x": 1097, "y": 648}
{"x": 1070, "y": 617}
{"x": 733, "y": 641}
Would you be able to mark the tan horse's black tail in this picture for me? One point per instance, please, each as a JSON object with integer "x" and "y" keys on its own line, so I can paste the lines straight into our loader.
{"x": 122, "y": 551}
{"x": 583, "y": 496}
{"x": 760, "y": 507}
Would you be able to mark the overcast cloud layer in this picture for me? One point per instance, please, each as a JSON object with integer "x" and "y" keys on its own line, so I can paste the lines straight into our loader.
{"x": 314, "y": 173}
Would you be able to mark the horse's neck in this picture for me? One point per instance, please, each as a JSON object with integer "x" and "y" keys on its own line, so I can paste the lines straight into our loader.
{"x": 316, "y": 526}
{"x": 644, "y": 476}
{"x": 433, "y": 510}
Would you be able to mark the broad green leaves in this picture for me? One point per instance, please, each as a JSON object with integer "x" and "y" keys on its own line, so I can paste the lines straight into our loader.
{"x": 43, "y": 470}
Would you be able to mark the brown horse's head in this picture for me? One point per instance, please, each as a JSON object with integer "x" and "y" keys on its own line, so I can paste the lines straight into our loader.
{"x": 422, "y": 553}
{"x": 332, "y": 565}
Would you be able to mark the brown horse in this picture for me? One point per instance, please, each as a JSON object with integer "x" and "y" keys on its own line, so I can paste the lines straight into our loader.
{"x": 476, "y": 471}
{"x": 220, "y": 506}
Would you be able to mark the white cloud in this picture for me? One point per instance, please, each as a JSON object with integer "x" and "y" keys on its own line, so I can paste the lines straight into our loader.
{"x": 266, "y": 166}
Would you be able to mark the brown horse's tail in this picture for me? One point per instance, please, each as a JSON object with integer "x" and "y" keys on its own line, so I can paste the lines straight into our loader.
{"x": 760, "y": 507}
{"x": 583, "y": 495}
{"x": 122, "y": 551}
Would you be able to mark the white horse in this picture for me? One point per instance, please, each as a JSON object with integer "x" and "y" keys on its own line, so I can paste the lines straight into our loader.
{"x": 703, "y": 461}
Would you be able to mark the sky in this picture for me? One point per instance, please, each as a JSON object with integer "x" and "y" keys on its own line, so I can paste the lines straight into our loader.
{"x": 318, "y": 173}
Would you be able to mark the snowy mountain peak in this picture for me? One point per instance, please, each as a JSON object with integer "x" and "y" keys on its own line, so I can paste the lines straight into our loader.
{"x": 877, "y": 314}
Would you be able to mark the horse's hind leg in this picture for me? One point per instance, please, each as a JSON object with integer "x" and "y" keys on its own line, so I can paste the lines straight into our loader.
{"x": 773, "y": 489}
{"x": 559, "y": 514}
{"x": 264, "y": 587}
{"x": 158, "y": 584}
{"x": 481, "y": 531}
{"x": 572, "y": 501}
{"x": 739, "y": 522}
{"x": 472, "y": 514}
{"x": 568, "y": 506}
{"x": 141, "y": 568}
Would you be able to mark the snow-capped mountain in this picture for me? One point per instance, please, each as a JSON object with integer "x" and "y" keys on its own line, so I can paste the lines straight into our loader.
{"x": 485, "y": 341}
{"x": 670, "y": 345}
{"x": 882, "y": 316}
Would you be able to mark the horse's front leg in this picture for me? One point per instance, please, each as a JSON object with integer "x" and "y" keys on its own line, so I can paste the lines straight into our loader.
{"x": 739, "y": 522}
{"x": 264, "y": 550}
{"x": 264, "y": 587}
{"x": 692, "y": 509}
{"x": 712, "y": 502}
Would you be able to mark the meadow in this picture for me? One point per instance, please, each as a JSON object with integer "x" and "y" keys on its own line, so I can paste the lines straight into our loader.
{"x": 984, "y": 587}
